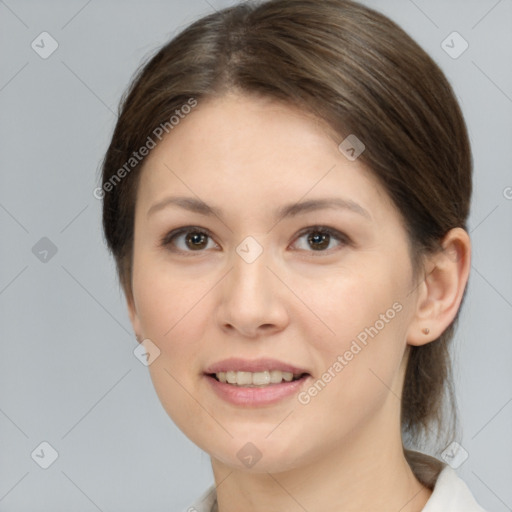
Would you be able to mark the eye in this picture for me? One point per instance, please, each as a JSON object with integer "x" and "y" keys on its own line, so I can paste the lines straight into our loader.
{"x": 189, "y": 239}
{"x": 320, "y": 239}
{"x": 312, "y": 239}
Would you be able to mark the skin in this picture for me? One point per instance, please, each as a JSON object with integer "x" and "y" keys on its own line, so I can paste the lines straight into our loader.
{"x": 342, "y": 450}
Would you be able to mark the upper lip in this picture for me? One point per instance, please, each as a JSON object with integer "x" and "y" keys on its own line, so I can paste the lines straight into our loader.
{"x": 252, "y": 365}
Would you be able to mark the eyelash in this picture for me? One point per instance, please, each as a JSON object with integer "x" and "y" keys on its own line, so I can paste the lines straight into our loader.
{"x": 169, "y": 238}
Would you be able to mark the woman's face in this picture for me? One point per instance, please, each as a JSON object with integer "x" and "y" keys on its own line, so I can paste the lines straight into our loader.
{"x": 260, "y": 248}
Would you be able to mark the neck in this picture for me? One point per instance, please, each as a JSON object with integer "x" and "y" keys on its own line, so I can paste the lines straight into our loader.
{"x": 368, "y": 471}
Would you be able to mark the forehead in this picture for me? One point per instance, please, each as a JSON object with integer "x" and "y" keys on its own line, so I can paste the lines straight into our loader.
{"x": 254, "y": 149}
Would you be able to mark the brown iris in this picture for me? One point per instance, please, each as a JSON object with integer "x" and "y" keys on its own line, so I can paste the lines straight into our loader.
{"x": 196, "y": 240}
{"x": 318, "y": 240}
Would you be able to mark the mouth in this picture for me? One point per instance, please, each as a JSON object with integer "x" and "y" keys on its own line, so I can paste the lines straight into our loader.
{"x": 255, "y": 382}
{"x": 260, "y": 379}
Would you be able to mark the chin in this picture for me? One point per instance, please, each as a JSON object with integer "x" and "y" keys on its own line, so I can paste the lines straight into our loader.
{"x": 255, "y": 454}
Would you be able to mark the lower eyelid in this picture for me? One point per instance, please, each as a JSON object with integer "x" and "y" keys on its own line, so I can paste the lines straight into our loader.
{"x": 320, "y": 252}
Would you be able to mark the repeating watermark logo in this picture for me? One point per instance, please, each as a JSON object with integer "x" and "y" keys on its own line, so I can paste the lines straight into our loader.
{"x": 137, "y": 156}
{"x": 454, "y": 45}
{"x": 146, "y": 352}
{"x": 249, "y": 249}
{"x": 44, "y": 250}
{"x": 356, "y": 346}
{"x": 44, "y": 45}
{"x": 352, "y": 147}
{"x": 44, "y": 455}
{"x": 249, "y": 455}
{"x": 507, "y": 192}
{"x": 454, "y": 455}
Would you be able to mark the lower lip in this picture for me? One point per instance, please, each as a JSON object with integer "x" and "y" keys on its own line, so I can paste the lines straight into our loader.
{"x": 252, "y": 397}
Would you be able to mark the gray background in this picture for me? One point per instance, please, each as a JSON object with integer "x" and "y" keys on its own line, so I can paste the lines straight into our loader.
{"x": 68, "y": 375}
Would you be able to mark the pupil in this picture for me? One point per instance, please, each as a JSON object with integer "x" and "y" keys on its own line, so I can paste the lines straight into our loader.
{"x": 196, "y": 240}
{"x": 319, "y": 241}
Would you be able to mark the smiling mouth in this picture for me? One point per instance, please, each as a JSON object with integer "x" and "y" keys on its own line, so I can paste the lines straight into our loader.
{"x": 256, "y": 379}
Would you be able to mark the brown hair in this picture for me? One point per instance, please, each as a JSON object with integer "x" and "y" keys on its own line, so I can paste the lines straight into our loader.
{"x": 362, "y": 74}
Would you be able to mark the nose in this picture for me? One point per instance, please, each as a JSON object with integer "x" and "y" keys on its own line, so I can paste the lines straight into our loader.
{"x": 252, "y": 300}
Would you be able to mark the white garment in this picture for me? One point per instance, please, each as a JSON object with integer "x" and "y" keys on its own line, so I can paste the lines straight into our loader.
{"x": 450, "y": 494}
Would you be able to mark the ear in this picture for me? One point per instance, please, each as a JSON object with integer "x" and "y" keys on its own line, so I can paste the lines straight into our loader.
{"x": 441, "y": 291}
{"x": 134, "y": 317}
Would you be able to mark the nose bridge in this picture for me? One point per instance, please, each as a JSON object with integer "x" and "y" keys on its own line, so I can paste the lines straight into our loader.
{"x": 250, "y": 275}
{"x": 249, "y": 298}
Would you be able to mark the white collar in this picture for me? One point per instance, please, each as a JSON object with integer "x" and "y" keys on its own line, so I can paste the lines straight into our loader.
{"x": 450, "y": 494}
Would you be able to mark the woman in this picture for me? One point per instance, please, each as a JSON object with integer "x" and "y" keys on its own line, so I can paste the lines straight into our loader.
{"x": 289, "y": 228}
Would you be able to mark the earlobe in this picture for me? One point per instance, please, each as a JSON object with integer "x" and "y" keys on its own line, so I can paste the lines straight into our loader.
{"x": 440, "y": 293}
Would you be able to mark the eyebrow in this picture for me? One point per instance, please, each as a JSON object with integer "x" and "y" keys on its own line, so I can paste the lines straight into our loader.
{"x": 197, "y": 206}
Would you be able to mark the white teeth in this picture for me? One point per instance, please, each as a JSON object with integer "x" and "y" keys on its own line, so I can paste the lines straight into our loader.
{"x": 243, "y": 378}
{"x": 287, "y": 376}
{"x": 258, "y": 379}
{"x": 276, "y": 376}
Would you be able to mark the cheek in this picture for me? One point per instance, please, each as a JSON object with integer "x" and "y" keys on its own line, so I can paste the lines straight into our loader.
{"x": 356, "y": 302}
{"x": 172, "y": 315}
{"x": 367, "y": 317}
{"x": 166, "y": 298}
